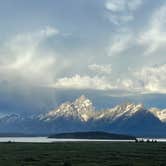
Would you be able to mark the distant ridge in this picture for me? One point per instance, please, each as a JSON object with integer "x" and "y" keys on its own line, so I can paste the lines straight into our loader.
{"x": 92, "y": 135}
{"x": 81, "y": 115}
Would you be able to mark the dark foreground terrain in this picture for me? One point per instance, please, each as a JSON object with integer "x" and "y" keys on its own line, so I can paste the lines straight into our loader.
{"x": 83, "y": 154}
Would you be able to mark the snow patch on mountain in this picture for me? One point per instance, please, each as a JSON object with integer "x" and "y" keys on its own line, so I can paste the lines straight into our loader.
{"x": 124, "y": 110}
{"x": 81, "y": 109}
{"x": 81, "y": 115}
{"x": 160, "y": 114}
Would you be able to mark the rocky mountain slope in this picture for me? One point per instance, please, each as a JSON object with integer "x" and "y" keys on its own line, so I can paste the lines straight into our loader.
{"x": 80, "y": 115}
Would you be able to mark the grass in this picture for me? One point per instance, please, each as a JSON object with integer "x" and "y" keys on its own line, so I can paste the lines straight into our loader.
{"x": 83, "y": 154}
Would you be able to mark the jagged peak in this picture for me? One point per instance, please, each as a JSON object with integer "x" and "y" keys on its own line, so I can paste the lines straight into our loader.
{"x": 125, "y": 110}
{"x": 83, "y": 100}
{"x": 130, "y": 106}
{"x": 81, "y": 108}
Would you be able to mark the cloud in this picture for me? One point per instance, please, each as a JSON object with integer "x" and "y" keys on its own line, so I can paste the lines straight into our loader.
{"x": 101, "y": 69}
{"x": 121, "y": 11}
{"x": 149, "y": 79}
{"x": 120, "y": 43}
{"x": 150, "y": 39}
{"x": 24, "y": 60}
{"x": 134, "y": 4}
{"x": 154, "y": 36}
{"x": 152, "y": 79}
{"x": 146, "y": 80}
{"x": 26, "y": 56}
{"x": 122, "y": 5}
{"x": 83, "y": 82}
{"x": 48, "y": 31}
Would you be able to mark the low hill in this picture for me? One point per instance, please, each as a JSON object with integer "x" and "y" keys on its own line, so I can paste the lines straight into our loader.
{"x": 92, "y": 135}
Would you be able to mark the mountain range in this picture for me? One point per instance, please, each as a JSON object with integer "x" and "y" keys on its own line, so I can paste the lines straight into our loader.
{"x": 80, "y": 115}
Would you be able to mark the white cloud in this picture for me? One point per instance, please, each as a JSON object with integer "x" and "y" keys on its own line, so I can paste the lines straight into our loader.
{"x": 49, "y": 31}
{"x": 134, "y": 4}
{"x": 83, "y": 82}
{"x": 150, "y": 39}
{"x": 152, "y": 79}
{"x": 122, "y": 5}
{"x": 120, "y": 43}
{"x": 121, "y": 11}
{"x": 118, "y": 19}
{"x": 146, "y": 80}
{"x": 101, "y": 69}
{"x": 154, "y": 37}
{"x": 24, "y": 60}
{"x": 115, "y": 6}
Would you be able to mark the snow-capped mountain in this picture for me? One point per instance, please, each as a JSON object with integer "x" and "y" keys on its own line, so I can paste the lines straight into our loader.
{"x": 125, "y": 118}
{"x": 125, "y": 110}
{"x": 80, "y": 115}
{"x": 81, "y": 109}
{"x": 160, "y": 114}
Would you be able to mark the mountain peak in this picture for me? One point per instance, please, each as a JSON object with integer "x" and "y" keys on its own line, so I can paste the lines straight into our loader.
{"x": 81, "y": 99}
{"x": 81, "y": 115}
{"x": 81, "y": 108}
{"x": 131, "y": 108}
{"x": 125, "y": 110}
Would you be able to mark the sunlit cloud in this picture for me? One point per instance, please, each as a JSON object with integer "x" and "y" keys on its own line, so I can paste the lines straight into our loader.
{"x": 101, "y": 69}
{"x": 152, "y": 78}
{"x": 83, "y": 82}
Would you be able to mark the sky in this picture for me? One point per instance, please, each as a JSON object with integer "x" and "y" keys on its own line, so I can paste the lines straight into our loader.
{"x": 55, "y": 50}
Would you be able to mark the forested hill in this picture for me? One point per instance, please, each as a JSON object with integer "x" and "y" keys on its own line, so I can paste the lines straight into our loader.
{"x": 92, "y": 135}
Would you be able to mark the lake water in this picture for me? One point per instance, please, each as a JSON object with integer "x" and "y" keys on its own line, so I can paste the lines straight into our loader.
{"x": 49, "y": 140}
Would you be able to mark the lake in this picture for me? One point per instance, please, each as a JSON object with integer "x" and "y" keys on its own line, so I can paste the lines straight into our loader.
{"x": 50, "y": 140}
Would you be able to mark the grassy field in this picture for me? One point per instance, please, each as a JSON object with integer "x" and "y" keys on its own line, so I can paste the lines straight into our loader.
{"x": 83, "y": 154}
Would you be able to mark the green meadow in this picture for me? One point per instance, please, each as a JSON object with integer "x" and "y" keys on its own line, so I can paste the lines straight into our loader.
{"x": 83, "y": 154}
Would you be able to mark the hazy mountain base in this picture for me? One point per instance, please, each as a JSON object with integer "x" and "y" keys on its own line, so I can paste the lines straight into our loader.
{"x": 139, "y": 127}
